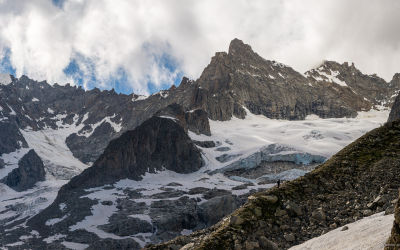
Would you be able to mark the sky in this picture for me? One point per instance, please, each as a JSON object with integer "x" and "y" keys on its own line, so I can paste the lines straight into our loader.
{"x": 145, "y": 46}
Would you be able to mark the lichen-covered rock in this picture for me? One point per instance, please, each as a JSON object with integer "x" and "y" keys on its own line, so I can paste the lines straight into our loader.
{"x": 30, "y": 170}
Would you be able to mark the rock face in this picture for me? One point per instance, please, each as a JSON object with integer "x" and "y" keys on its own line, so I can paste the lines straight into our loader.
{"x": 2, "y": 164}
{"x": 394, "y": 238}
{"x": 30, "y": 170}
{"x": 194, "y": 120}
{"x": 360, "y": 180}
{"x": 243, "y": 78}
{"x": 395, "y": 112}
{"x": 157, "y": 144}
{"x": 10, "y": 137}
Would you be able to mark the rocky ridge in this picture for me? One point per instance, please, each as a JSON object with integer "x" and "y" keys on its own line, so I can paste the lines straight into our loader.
{"x": 360, "y": 180}
{"x": 241, "y": 78}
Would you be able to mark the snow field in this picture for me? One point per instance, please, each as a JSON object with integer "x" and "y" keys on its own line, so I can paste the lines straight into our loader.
{"x": 369, "y": 233}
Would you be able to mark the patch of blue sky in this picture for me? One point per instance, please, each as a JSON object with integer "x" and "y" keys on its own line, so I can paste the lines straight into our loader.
{"x": 5, "y": 64}
{"x": 120, "y": 80}
{"x": 58, "y": 3}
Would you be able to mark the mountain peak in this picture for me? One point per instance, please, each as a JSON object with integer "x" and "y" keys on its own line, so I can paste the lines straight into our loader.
{"x": 237, "y": 46}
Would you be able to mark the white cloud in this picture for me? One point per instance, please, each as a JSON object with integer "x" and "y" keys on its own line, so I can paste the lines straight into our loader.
{"x": 107, "y": 37}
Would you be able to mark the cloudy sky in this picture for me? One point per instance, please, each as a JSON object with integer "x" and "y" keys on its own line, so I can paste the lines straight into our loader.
{"x": 145, "y": 46}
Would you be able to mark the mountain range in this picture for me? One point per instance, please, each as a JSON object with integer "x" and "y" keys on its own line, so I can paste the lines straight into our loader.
{"x": 96, "y": 169}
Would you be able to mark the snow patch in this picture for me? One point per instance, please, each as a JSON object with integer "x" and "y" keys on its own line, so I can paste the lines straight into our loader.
{"x": 55, "y": 220}
{"x": 19, "y": 243}
{"x": 50, "y": 239}
{"x": 12, "y": 110}
{"x": 49, "y": 110}
{"x": 35, "y": 99}
{"x": 139, "y": 98}
{"x": 368, "y": 233}
{"x": 74, "y": 246}
{"x": 331, "y": 78}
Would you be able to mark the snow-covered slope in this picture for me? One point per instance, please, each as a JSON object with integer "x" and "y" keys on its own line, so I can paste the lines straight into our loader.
{"x": 315, "y": 136}
{"x": 369, "y": 233}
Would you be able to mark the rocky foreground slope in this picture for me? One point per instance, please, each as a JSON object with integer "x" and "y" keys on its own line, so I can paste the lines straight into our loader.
{"x": 360, "y": 180}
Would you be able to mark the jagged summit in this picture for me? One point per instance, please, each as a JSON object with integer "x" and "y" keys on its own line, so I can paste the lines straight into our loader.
{"x": 237, "y": 47}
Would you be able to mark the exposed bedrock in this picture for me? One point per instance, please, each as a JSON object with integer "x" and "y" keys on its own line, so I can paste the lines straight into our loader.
{"x": 30, "y": 170}
{"x": 193, "y": 120}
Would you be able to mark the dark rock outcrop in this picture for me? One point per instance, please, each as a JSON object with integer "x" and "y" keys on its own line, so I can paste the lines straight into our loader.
{"x": 156, "y": 145}
{"x": 205, "y": 144}
{"x": 393, "y": 242}
{"x": 360, "y": 180}
{"x": 30, "y": 170}
{"x": 11, "y": 138}
{"x": 194, "y": 120}
{"x": 395, "y": 112}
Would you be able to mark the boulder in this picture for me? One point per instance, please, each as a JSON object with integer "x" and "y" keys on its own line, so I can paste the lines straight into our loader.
{"x": 270, "y": 198}
{"x": 293, "y": 208}
{"x": 267, "y": 244}
{"x": 213, "y": 210}
{"x": 289, "y": 237}
{"x": 235, "y": 220}
{"x": 319, "y": 215}
{"x": 381, "y": 200}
